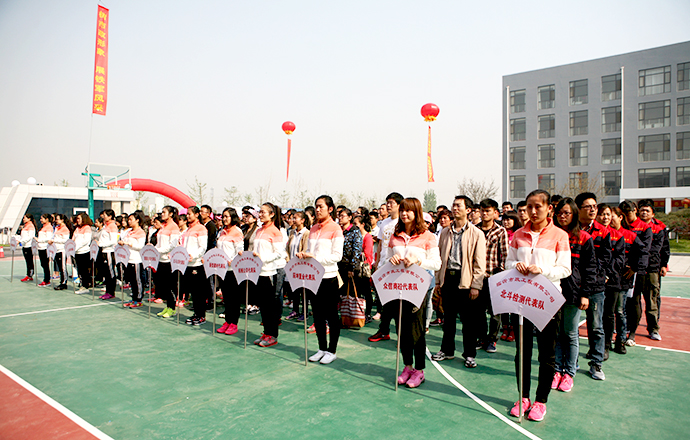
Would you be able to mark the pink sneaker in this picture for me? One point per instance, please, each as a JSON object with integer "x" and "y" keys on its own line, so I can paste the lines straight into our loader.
{"x": 556, "y": 380}
{"x": 158, "y": 301}
{"x": 566, "y": 384}
{"x": 232, "y": 329}
{"x": 416, "y": 379}
{"x": 405, "y": 376}
{"x": 515, "y": 412}
{"x": 537, "y": 412}
{"x": 106, "y": 296}
{"x": 223, "y": 328}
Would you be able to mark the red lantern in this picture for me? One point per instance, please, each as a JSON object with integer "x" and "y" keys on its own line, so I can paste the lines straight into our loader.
{"x": 430, "y": 111}
{"x": 289, "y": 127}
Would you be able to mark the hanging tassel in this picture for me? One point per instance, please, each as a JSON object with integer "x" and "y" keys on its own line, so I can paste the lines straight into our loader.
{"x": 287, "y": 175}
{"x": 429, "y": 167}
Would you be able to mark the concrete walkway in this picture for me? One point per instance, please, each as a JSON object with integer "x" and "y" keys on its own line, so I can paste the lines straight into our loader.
{"x": 679, "y": 265}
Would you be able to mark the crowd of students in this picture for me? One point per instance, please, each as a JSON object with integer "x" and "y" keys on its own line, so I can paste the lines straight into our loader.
{"x": 604, "y": 259}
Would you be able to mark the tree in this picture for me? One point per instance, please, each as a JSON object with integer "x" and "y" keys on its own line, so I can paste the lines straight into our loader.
{"x": 262, "y": 193}
{"x": 232, "y": 196}
{"x": 197, "y": 191}
{"x": 284, "y": 199}
{"x": 141, "y": 199}
{"x": 581, "y": 183}
{"x": 429, "y": 200}
{"x": 477, "y": 190}
{"x": 62, "y": 182}
{"x": 677, "y": 221}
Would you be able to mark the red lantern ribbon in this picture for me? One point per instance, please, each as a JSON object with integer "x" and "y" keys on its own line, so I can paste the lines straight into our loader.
{"x": 429, "y": 167}
{"x": 288, "y": 159}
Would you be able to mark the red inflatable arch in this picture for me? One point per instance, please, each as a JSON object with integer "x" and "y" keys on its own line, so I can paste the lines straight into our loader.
{"x": 161, "y": 188}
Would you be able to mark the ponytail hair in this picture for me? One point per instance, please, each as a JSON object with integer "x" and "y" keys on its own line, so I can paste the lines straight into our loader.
{"x": 173, "y": 213}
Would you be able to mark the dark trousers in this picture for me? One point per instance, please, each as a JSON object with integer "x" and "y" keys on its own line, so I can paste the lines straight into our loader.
{"x": 133, "y": 277}
{"x": 45, "y": 264}
{"x": 646, "y": 286}
{"x": 60, "y": 266}
{"x": 166, "y": 284}
{"x": 266, "y": 299}
{"x": 84, "y": 268}
{"x": 194, "y": 283}
{"x": 614, "y": 316}
{"x": 457, "y": 302}
{"x": 364, "y": 291}
{"x": 29, "y": 258}
{"x": 412, "y": 334}
{"x": 546, "y": 344}
{"x": 106, "y": 263}
{"x": 490, "y": 335}
{"x": 325, "y": 307}
{"x": 233, "y": 296}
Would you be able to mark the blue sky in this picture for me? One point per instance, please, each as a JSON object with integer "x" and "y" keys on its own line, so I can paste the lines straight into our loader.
{"x": 202, "y": 88}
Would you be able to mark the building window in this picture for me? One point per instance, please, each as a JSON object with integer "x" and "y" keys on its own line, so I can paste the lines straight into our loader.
{"x": 578, "y": 182}
{"x": 654, "y": 178}
{"x": 610, "y": 151}
{"x": 611, "y": 87}
{"x": 683, "y": 76}
{"x": 683, "y": 111}
{"x": 547, "y": 126}
{"x": 683, "y": 145}
{"x": 517, "y": 187}
{"x": 547, "y": 156}
{"x": 683, "y": 176}
{"x": 546, "y": 97}
{"x": 518, "y": 129}
{"x": 654, "y": 148}
{"x": 611, "y": 119}
{"x": 654, "y": 114}
{"x": 547, "y": 182}
{"x": 517, "y": 101}
{"x": 578, "y": 92}
{"x": 655, "y": 81}
{"x": 578, "y": 154}
{"x": 517, "y": 158}
{"x": 578, "y": 123}
{"x": 611, "y": 182}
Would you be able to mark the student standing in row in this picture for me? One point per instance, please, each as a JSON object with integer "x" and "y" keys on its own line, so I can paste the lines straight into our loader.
{"x": 45, "y": 235}
{"x": 231, "y": 241}
{"x": 26, "y": 236}
{"x": 167, "y": 239}
{"x": 135, "y": 239}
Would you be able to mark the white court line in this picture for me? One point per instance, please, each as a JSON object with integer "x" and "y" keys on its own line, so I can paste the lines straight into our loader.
{"x": 57, "y": 310}
{"x": 483, "y": 404}
{"x": 67, "y": 413}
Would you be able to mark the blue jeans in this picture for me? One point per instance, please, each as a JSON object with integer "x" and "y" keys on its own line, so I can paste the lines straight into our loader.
{"x": 568, "y": 342}
{"x": 595, "y": 327}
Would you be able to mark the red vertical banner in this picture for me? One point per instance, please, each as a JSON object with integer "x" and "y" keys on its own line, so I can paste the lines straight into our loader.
{"x": 429, "y": 167}
{"x": 100, "y": 74}
{"x": 288, "y": 159}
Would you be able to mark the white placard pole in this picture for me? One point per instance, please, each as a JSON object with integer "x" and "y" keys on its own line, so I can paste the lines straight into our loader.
{"x": 150, "y": 290}
{"x": 12, "y": 269}
{"x": 246, "y": 310}
{"x": 304, "y": 307}
{"x": 177, "y": 298}
{"x": 122, "y": 284}
{"x": 397, "y": 351}
{"x": 520, "y": 354}
{"x": 213, "y": 297}
{"x": 93, "y": 280}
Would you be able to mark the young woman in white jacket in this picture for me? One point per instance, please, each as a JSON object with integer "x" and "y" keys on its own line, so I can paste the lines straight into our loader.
{"x": 231, "y": 241}
{"x": 26, "y": 236}
{"x": 135, "y": 239}
{"x": 167, "y": 239}
{"x": 269, "y": 247}
{"x": 60, "y": 237}
{"x": 82, "y": 240}
{"x": 44, "y": 235}
{"x": 194, "y": 281}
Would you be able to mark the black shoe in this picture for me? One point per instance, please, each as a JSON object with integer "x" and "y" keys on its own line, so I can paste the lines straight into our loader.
{"x": 588, "y": 355}
{"x": 60, "y": 287}
{"x": 606, "y": 355}
{"x": 190, "y": 321}
{"x": 199, "y": 321}
{"x": 620, "y": 348}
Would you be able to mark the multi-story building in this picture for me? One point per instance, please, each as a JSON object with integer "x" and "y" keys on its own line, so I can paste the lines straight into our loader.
{"x": 618, "y": 126}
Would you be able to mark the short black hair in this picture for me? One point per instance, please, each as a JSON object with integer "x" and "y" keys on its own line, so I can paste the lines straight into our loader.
{"x": 489, "y": 203}
{"x": 539, "y": 192}
{"x": 646, "y": 202}
{"x": 555, "y": 199}
{"x": 207, "y": 208}
{"x": 507, "y": 204}
{"x": 469, "y": 204}
{"x": 580, "y": 199}
{"x": 627, "y": 206}
{"x": 521, "y": 204}
{"x": 397, "y": 197}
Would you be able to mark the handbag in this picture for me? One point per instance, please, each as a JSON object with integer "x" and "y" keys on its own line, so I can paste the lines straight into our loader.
{"x": 362, "y": 269}
{"x": 352, "y": 308}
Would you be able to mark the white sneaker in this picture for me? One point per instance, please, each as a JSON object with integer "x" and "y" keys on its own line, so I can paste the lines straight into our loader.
{"x": 81, "y": 290}
{"x": 317, "y": 357}
{"x": 328, "y": 357}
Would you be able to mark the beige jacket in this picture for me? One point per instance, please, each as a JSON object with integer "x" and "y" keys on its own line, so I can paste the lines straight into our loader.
{"x": 473, "y": 257}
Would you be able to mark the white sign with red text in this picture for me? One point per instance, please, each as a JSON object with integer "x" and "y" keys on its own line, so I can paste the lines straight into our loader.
{"x": 399, "y": 282}
{"x": 304, "y": 272}
{"x": 216, "y": 262}
{"x": 247, "y": 267}
{"x": 93, "y": 250}
{"x": 150, "y": 257}
{"x": 179, "y": 259}
{"x": 121, "y": 254}
{"x": 532, "y": 296}
{"x": 13, "y": 243}
{"x": 34, "y": 246}
{"x": 51, "y": 250}
{"x": 70, "y": 248}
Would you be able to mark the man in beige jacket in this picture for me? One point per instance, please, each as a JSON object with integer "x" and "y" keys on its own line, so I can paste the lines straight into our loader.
{"x": 463, "y": 262}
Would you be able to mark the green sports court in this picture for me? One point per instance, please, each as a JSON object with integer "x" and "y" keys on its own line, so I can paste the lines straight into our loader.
{"x": 119, "y": 374}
